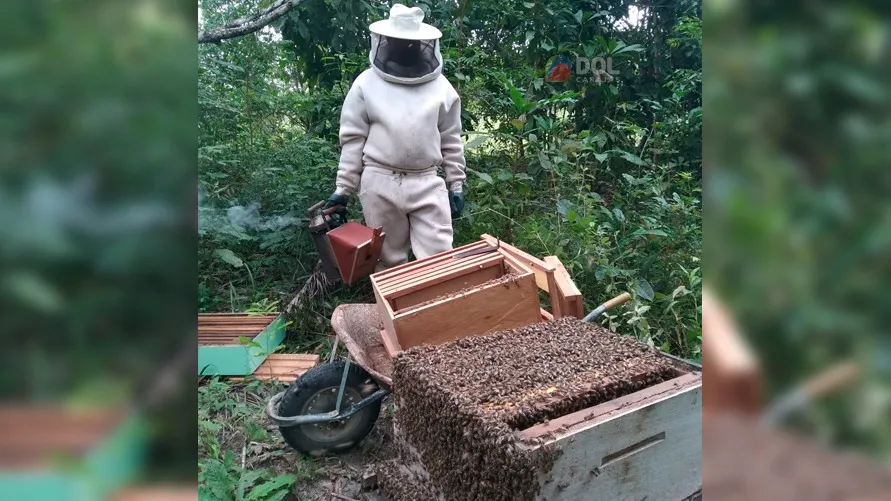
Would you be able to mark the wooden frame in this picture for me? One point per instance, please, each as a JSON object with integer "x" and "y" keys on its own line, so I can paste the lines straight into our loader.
{"x": 220, "y": 353}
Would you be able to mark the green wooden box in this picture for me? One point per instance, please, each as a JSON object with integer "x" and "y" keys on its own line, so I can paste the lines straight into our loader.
{"x": 51, "y": 454}
{"x": 220, "y": 352}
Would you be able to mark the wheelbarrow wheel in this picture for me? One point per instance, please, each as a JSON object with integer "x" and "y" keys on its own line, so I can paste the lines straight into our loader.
{"x": 315, "y": 392}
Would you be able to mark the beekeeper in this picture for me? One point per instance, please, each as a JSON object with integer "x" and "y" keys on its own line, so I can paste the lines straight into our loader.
{"x": 401, "y": 121}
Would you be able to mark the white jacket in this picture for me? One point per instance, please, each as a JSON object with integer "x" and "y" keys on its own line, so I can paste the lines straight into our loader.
{"x": 404, "y": 124}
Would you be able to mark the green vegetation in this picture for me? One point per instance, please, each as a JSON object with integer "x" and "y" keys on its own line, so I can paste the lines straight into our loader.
{"x": 607, "y": 176}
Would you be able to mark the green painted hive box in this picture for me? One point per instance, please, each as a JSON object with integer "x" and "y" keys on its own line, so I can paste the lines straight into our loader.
{"x": 235, "y": 344}
{"x": 52, "y": 453}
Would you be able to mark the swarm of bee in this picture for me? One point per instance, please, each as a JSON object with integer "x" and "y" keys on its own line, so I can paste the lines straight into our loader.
{"x": 460, "y": 405}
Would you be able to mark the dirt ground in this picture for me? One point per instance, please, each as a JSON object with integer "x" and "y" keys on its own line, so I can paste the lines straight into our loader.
{"x": 342, "y": 474}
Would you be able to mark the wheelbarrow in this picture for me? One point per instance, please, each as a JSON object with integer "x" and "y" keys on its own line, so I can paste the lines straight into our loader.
{"x": 334, "y": 405}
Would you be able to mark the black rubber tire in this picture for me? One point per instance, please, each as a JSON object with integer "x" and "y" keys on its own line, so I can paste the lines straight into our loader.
{"x": 322, "y": 377}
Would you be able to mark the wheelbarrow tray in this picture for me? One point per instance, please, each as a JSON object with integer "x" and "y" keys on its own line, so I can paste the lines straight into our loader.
{"x": 358, "y": 326}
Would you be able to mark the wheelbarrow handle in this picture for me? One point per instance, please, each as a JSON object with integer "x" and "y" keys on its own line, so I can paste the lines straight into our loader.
{"x": 612, "y": 303}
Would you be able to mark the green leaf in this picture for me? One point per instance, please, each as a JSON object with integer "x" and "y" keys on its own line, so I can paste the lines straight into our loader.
{"x": 248, "y": 479}
{"x": 658, "y": 233}
{"x": 476, "y": 142}
{"x": 34, "y": 291}
{"x": 579, "y": 16}
{"x": 563, "y": 207}
{"x": 482, "y": 175}
{"x": 547, "y": 45}
{"x": 229, "y": 257}
{"x": 265, "y": 490}
{"x": 517, "y": 97}
{"x": 643, "y": 289}
{"x": 543, "y": 160}
{"x": 528, "y": 5}
{"x": 600, "y": 156}
{"x": 621, "y": 48}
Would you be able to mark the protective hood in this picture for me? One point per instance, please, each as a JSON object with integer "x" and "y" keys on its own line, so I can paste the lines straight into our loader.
{"x": 388, "y": 59}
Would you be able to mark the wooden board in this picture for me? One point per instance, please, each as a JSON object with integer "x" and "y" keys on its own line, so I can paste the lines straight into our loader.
{"x": 284, "y": 367}
{"x": 544, "y": 272}
{"x": 486, "y": 309}
{"x": 568, "y": 295}
{"x": 647, "y": 445}
{"x": 734, "y": 373}
{"x": 388, "y": 329}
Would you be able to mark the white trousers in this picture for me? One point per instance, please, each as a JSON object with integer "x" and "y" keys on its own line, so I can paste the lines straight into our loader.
{"x": 412, "y": 208}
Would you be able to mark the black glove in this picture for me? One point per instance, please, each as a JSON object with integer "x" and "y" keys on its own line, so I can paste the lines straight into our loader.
{"x": 456, "y": 202}
{"x": 337, "y": 199}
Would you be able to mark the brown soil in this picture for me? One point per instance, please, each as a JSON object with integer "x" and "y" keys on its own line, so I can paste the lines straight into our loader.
{"x": 460, "y": 404}
{"x": 742, "y": 461}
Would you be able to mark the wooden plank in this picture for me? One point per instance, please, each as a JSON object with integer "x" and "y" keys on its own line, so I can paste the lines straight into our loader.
{"x": 544, "y": 273}
{"x": 546, "y": 316}
{"x": 390, "y": 343}
{"x": 285, "y": 367}
{"x": 568, "y": 295}
{"x": 647, "y": 445}
{"x": 735, "y": 382}
{"x": 478, "y": 277}
{"x": 388, "y": 332}
{"x": 462, "y": 267}
{"x": 482, "y": 310}
{"x": 384, "y": 276}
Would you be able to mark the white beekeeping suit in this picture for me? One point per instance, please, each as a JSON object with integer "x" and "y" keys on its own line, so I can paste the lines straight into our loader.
{"x": 401, "y": 120}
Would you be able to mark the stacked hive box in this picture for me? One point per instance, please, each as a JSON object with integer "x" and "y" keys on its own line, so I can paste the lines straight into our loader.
{"x": 476, "y": 289}
{"x": 474, "y": 416}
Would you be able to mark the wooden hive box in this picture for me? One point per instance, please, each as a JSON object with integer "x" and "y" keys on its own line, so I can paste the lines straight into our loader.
{"x": 220, "y": 352}
{"x": 647, "y": 445}
{"x": 445, "y": 297}
{"x": 626, "y": 427}
{"x": 440, "y": 298}
{"x": 58, "y": 454}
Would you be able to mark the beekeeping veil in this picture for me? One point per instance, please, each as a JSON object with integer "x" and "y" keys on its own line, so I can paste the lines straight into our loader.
{"x": 404, "y": 49}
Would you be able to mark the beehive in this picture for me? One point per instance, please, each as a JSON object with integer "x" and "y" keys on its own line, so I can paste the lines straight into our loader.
{"x": 236, "y": 344}
{"x": 49, "y": 452}
{"x": 456, "y": 293}
{"x": 557, "y": 410}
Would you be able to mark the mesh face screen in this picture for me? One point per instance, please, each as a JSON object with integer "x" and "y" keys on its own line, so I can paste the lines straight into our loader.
{"x": 406, "y": 58}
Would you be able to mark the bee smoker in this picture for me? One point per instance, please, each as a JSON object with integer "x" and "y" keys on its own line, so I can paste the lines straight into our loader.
{"x": 320, "y": 223}
{"x": 348, "y": 251}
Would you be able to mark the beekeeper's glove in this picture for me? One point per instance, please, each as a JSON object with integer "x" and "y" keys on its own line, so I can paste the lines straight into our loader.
{"x": 456, "y": 202}
{"x": 337, "y": 199}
